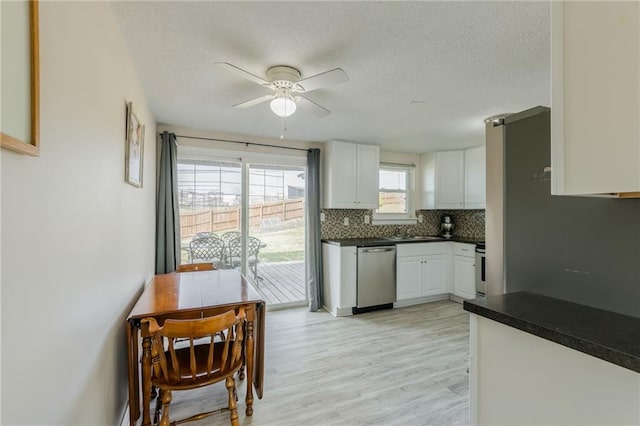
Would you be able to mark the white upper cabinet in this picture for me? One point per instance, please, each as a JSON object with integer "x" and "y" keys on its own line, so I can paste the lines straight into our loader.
{"x": 453, "y": 179}
{"x": 443, "y": 180}
{"x": 351, "y": 175}
{"x": 595, "y": 98}
{"x": 475, "y": 178}
{"x": 367, "y": 176}
{"x": 449, "y": 180}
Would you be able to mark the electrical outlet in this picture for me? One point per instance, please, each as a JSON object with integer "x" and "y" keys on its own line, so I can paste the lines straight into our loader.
{"x": 366, "y": 218}
{"x": 346, "y": 221}
{"x": 321, "y": 216}
{"x": 420, "y": 218}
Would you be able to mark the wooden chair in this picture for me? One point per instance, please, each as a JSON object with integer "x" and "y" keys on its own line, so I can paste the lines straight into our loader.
{"x": 191, "y": 267}
{"x": 207, "y": 249}
{"x": 195, "y": 365}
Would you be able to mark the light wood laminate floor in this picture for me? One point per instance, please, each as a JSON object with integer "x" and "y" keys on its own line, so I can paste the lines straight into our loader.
{"x": 405, "y": 366}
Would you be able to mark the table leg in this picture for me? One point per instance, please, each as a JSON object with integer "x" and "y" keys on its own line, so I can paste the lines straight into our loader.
{"x": 250, "y": 354}
{"x": 259, "y": 354}
{"x": 146, "y": 380}
{"x": 132, "y": 352}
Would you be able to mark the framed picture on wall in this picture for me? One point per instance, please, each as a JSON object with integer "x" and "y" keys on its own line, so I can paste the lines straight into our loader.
{"x": 134, "y": 149}
{"x": 20, "y": 69}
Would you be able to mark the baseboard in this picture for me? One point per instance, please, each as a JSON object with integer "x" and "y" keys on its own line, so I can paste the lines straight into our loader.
{"x": 456, "y": 299}
{"x": 343, "y": 312}
{"x": 338, "y": 312}
{"x": 420, "y": 300}
{"x": 125, "y": 416}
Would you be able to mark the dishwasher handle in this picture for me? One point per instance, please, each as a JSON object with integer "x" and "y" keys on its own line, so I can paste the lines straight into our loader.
{"x": 377, "y": 250}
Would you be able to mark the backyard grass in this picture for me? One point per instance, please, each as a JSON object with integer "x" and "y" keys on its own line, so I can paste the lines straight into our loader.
{"x": 283, "y": 243}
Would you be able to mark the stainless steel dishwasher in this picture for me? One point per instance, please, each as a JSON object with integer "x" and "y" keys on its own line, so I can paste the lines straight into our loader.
{"x": 376, "y": 282}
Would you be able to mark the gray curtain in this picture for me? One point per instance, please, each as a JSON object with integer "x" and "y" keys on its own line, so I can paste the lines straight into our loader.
{"x": 167, "y": 216}
{"x": 314, "y": 245}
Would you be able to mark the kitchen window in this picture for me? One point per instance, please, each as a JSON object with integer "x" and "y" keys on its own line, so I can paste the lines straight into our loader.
{"x": 395, "y": 194}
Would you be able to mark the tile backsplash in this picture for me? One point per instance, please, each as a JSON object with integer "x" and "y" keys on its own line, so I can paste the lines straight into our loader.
{"x": 468, "y": 224}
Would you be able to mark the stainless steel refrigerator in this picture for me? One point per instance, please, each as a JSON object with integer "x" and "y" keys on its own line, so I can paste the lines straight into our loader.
{"x": 582, "y": 249}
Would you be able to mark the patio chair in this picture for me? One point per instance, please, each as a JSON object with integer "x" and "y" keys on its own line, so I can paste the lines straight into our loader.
{"x": 203, "y": 234}
{"x": 217, "y": 357}
{"x": 227, "y": 237}
{"x": 253, "y": 249}
{"x": 207, "y": 249}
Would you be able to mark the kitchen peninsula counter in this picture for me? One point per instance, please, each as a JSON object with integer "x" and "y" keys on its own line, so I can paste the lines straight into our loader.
{"x": 539, "y": 360}
{"x": 606, "y": 335}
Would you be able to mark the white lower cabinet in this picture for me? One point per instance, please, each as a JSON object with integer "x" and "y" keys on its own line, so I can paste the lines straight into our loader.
{"x": 422, "y": 271}
{"x": 340, "y": 276}
{"x": 409, "y": 277}
{"x": 464, "y": 271}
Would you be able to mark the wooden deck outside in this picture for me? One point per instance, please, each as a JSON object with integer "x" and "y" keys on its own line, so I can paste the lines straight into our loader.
{"x": 282, "y": 282}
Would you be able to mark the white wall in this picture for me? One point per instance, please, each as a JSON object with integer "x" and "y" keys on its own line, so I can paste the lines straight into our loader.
{"x": 77, "y": 241}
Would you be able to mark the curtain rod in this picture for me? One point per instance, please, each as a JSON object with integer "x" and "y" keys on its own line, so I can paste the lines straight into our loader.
{"x": 243, "y": 143}
{"x": 391, "y": 164}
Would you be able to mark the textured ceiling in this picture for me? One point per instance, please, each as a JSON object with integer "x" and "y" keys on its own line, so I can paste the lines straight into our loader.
{"x": 461, "y": 61}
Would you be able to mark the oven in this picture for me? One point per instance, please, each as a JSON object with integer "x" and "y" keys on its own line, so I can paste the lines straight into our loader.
{"x": 481, "y": 271}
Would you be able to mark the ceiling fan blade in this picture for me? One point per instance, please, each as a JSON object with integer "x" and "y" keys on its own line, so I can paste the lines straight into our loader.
{"x": 317, "y": 110}
{"x": 327, "y": 78}
{"x": 255, "y": 101}
{"x": 245, "y": 74}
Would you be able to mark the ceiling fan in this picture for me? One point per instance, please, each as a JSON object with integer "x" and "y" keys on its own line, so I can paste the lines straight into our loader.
{"x": 288, "y": 89}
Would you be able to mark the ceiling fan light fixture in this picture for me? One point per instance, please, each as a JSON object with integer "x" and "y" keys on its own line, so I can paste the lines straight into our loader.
{"x": 283, "y": 106}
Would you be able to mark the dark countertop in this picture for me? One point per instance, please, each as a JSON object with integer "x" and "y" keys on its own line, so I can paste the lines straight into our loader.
{"x": 603, "y": 334}
{"x": 379, "y": 241}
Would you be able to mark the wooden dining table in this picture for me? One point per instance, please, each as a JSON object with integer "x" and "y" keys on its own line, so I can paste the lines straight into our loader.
{"x": 189, "y": 295}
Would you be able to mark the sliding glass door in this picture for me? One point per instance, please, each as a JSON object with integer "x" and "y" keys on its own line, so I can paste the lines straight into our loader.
{"x": 248, "y": 215}
{"x": 277, "y": 229}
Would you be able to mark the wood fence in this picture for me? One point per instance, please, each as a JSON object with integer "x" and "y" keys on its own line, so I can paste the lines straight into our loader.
{"x": 228, "y": 218}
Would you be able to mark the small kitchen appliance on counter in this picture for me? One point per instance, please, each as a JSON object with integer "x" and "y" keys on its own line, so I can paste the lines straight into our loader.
{"x": 446, "y": 226}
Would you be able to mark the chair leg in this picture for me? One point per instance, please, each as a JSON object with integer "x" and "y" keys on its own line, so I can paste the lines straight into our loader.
{"x": 256, "y": 278}
{"x": 166, "y": 400}
{"x": 156, "y": 415}
{"x": 233, "y": 405}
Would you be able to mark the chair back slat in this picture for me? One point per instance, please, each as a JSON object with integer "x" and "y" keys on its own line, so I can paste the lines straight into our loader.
{"x": 210, "y": 357}
{"x": 175, "y": 365}
{"x": 192, "y": 359}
